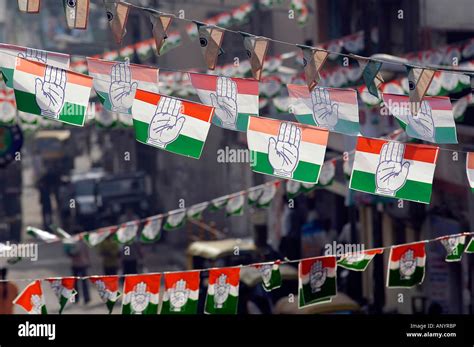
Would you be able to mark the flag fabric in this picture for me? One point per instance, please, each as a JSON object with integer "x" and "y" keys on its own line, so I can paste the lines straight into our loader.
{"x": 29, "y": 6}
{"x": 234, "y": 99}
{"x": 210, "y": 39}
{"x": 419, "y": 81}
{"x": 127, "y": 232}
{"x": 223, "y": 291}
{"x": 256, "y": 48}
{"x": 42, "y": 235}
{"x": 286, "y": 149}
{"x": 316, "y": 280}
{"x": 31, "y": 299}
{"x": 394, "y": 169}
{"x": 454, "y": 246}
{"x": 358, "y": 261}
{"x": 328, "y": 172}
{"x": 181, "y": 293}
{"x": 313, "y": 61}
{"x": 141, "y": 294}
{"x": 160, "y": 23}
{"x": 96, "y": 237}
{"x": 334, "y": 109}
{"x": 470, "y": 169}
{"x": 293, "y": 189}
{"x": 470, "y": 246}
{"x": 370, "y": 73}
{"x": 77, "y": 13}
{"x": 51, "y": 92}
{"x": 108, "y": 288}
{"x": 117, "y": 82}
{"x": 195, "y": 212}
{"x": 117, "y": 15}
{"x": 235, "y": 205}
{"x": 7, "y": 106}
{"x": 219, "y": 203}
{"x": 267, "y": 195}
{"x": 151, "y": 229}
{"x": 406, "y": 265}
{"x": 271, "y": 276}
{"x": 434, "y": 121}
{"x": 9, "y": 53}
{"x": 64, "y": 290}
{"x": 253, "y": 195}
{"x": 172, "y": 124}
{"x": 175, "y": 220}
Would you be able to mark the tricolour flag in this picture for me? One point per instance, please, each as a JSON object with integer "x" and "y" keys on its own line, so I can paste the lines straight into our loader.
{"x": 316, "y": 280}
{"x": 77, "y": 13}
{"x": 360, "y": 260}
{"x": 151, "y": 229}
{"x": 29, "y": 6}
{"x": 470, "y": 246}
{"x": 271, "y": 276}
{"x": 175, "y": 220}
{"x": 127, "y": 232}
{"x": 330, "y": 108}
{"x": 196, "y": 211}
{"x": 293, "y": 189}
{"x": 219, "y": 203}
{"x": 181, "y": 293}
{"x": 108, "y": 288}
{"x": 141, "y": 294}
{"x": 31, "y": 299}
{"x": 234, "y": 99}
{"x": 406, "y": 265}
{"x": 470, "y": 169}
{"x": 117, "y": 82}
{"x": 9, "y": 53}
{"x": 172, "y": 124}
{"x": 42, "y": 235}
{"x": 7, "y": 106}
{"x": 287, "y": 149}
{"x": 434, "y": 121}
{"x": 48, "y": 91}
{"x": 394, "y": 169}
{"x": 454, "y": 246}
{"x": 93, "y": 238}
{"x": 223, "y": 291}
{"x": 267, "y": 195}
{"x": 235, "y": 205}
{"x": 63, "y": 288}
{"x": 254, "y": 194}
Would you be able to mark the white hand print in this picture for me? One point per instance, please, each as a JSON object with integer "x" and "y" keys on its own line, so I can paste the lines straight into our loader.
{"x": 222, "y": 291}
{"x": 225, "y": 102}
{"x": 166, "y": 123}
{"x": 140, "y": 298}
{"x": 283, "y": 152}
{"x": 422, "y": 123}
{"x": 325, "y": 112}
{"x": 35, "y": 55}
{"x": 122, "y": 90}
{"x": 50, "y": 91}
{"x": 392, "y": 172}
{"x": 37, "y": 304}
{"x": 179, "y": 295}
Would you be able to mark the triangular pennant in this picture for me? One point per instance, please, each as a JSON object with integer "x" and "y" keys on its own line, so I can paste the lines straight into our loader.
{"x": 256, "y": 48}
{"x": 117, "y": 15}
{"x": 29, "y": 6}
{"x": 210, "y": 38}
{"x": 77, "y": 13}
{"x": 108, "y": 288}
{"x": 419, "y": 80}
{"x": 64, "y": 289}
{"x": 313, "y": 61}
{"x": 151, "y": 229}
{"x": 370, "y": 73}
{"x": 32, "y": 299}
{"x": 160, "y": 23}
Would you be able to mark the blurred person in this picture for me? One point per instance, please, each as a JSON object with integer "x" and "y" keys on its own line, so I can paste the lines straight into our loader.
{"x": 109, "y": 250}
{"x": 79, "y": 254}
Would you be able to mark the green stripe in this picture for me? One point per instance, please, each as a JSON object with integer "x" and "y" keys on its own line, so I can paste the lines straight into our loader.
{"x": 229, "y": 306}
{"x": 456, "y": 254}
{"x": 327, "y": 289}
{"x": 318, "y": 301}
{"x": 183, "y": 145}
{"x": 275, "y": 281}
{"x": 395, "y": 279}
{"x": 7, "y": 75}
{"x": 189, "y": 308}
{"x": 307, "y": 172}
{"x": 150, "y": 309}
{"x": 412, "y": 190}
{"x": 343, "y": 126}
{"x": 357, "y": 266}
{"x": 70, "y": 113}
{"x": 241, "y": 124}
{"x": 145, "y": 239}
{"x": 445, "y": 135}
{"x": 44, "y": 310}
{"x": 105, "y": 100}
{"x": 470, "y": 246}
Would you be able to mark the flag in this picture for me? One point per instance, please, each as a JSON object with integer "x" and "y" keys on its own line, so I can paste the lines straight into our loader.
{"x": 254, "y": 194}
{"x": 117, "y": 82}
{"x": 268, "y": 194}
{"x": 7, "y": 106}
{"x": 470, "y": 169}
{"x": 181, "y": 293}
{"x": 286, "y": 149}
{"x": 95, "y": 237}
{"x": 175, "y": 220}
{"x": 235, "y": 205}
{"x": 77, "y": 13}
{"x": 470, "y": 246}
{"x": 117, "y": 15}
{"x": 328, "y": 172}
{"x": 223, "y": 291}
{"x": 419, "y": 81}
{"x": 29, "y": 6}
{"x": 313, "y": 61}
{"x": 406, "y": 265}
{"x": 358, "y": 261}
{"x": 127, "y": 232}
{"x": 394, "y": 169}
{"x": 64, "y": 290}
{"x": 330, "y": 108}
{"x": 141, "y": 294}
{"x": 51, "y": 92}
{"x": 271, "y": 276}
{"x": 292, "y": 189}
{"x": 160, "y": 24}
{"x": 210, "y": 38}
{"x": 234, "y": 99}
{"x": 195, "y": 211}
{"x": 108, "y": 288}
{"x": 316, "y": 280}
{"x": 41, "y": 234}
{"x": 172, "y": 124}
{"x": 454, "y": 246}
{"x": 219, "y": 203}
{"x": 151, "y": 229}
{"x": 256, "y": 48}
{"x": 31, "y": 299}
{"x": 9, "y": 53}
{"x": 434, "y": 122}
{"x": 370, "y": 73}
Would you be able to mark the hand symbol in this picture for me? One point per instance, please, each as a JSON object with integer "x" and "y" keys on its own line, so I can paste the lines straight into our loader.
{"x": 103, "y": 292}
{"x": 225, "y": 102}
{"x": 325, "y": 112}
{"x": 391, "y": 173}
{"x": 140, "y": 298}
{"x": 179, "y": 295}
{"x": 422, "y": 123}
{"x": 37, "y": 304}
{"x": 122, "y": 90}
{"x": 222, "y": 291}
{"x": 35, "y": 55}
{"x": 283, "y": 153}
{"x": 407, "y": 264}
{"x": 50, "y": 91}
{"x": 166, "y": 123}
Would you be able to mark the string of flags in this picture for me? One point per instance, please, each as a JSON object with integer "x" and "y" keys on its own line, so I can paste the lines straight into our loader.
{"x": 317, "y": 281}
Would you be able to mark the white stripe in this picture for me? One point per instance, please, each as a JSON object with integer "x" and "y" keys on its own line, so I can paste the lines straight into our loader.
{"x": 102, "y": 83}
{"x": 441, "y": 118}
{"x": 308, "y": 151}
{"x": 234, "y": 290}
{"x": 246, "y": 103}
{"x": 346, "y": 111}
{"x": 420, "y": 262}
{"x": 419, "y": 171}
{"x": 8, "y": 59}
{"x": 331, "y": 273}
